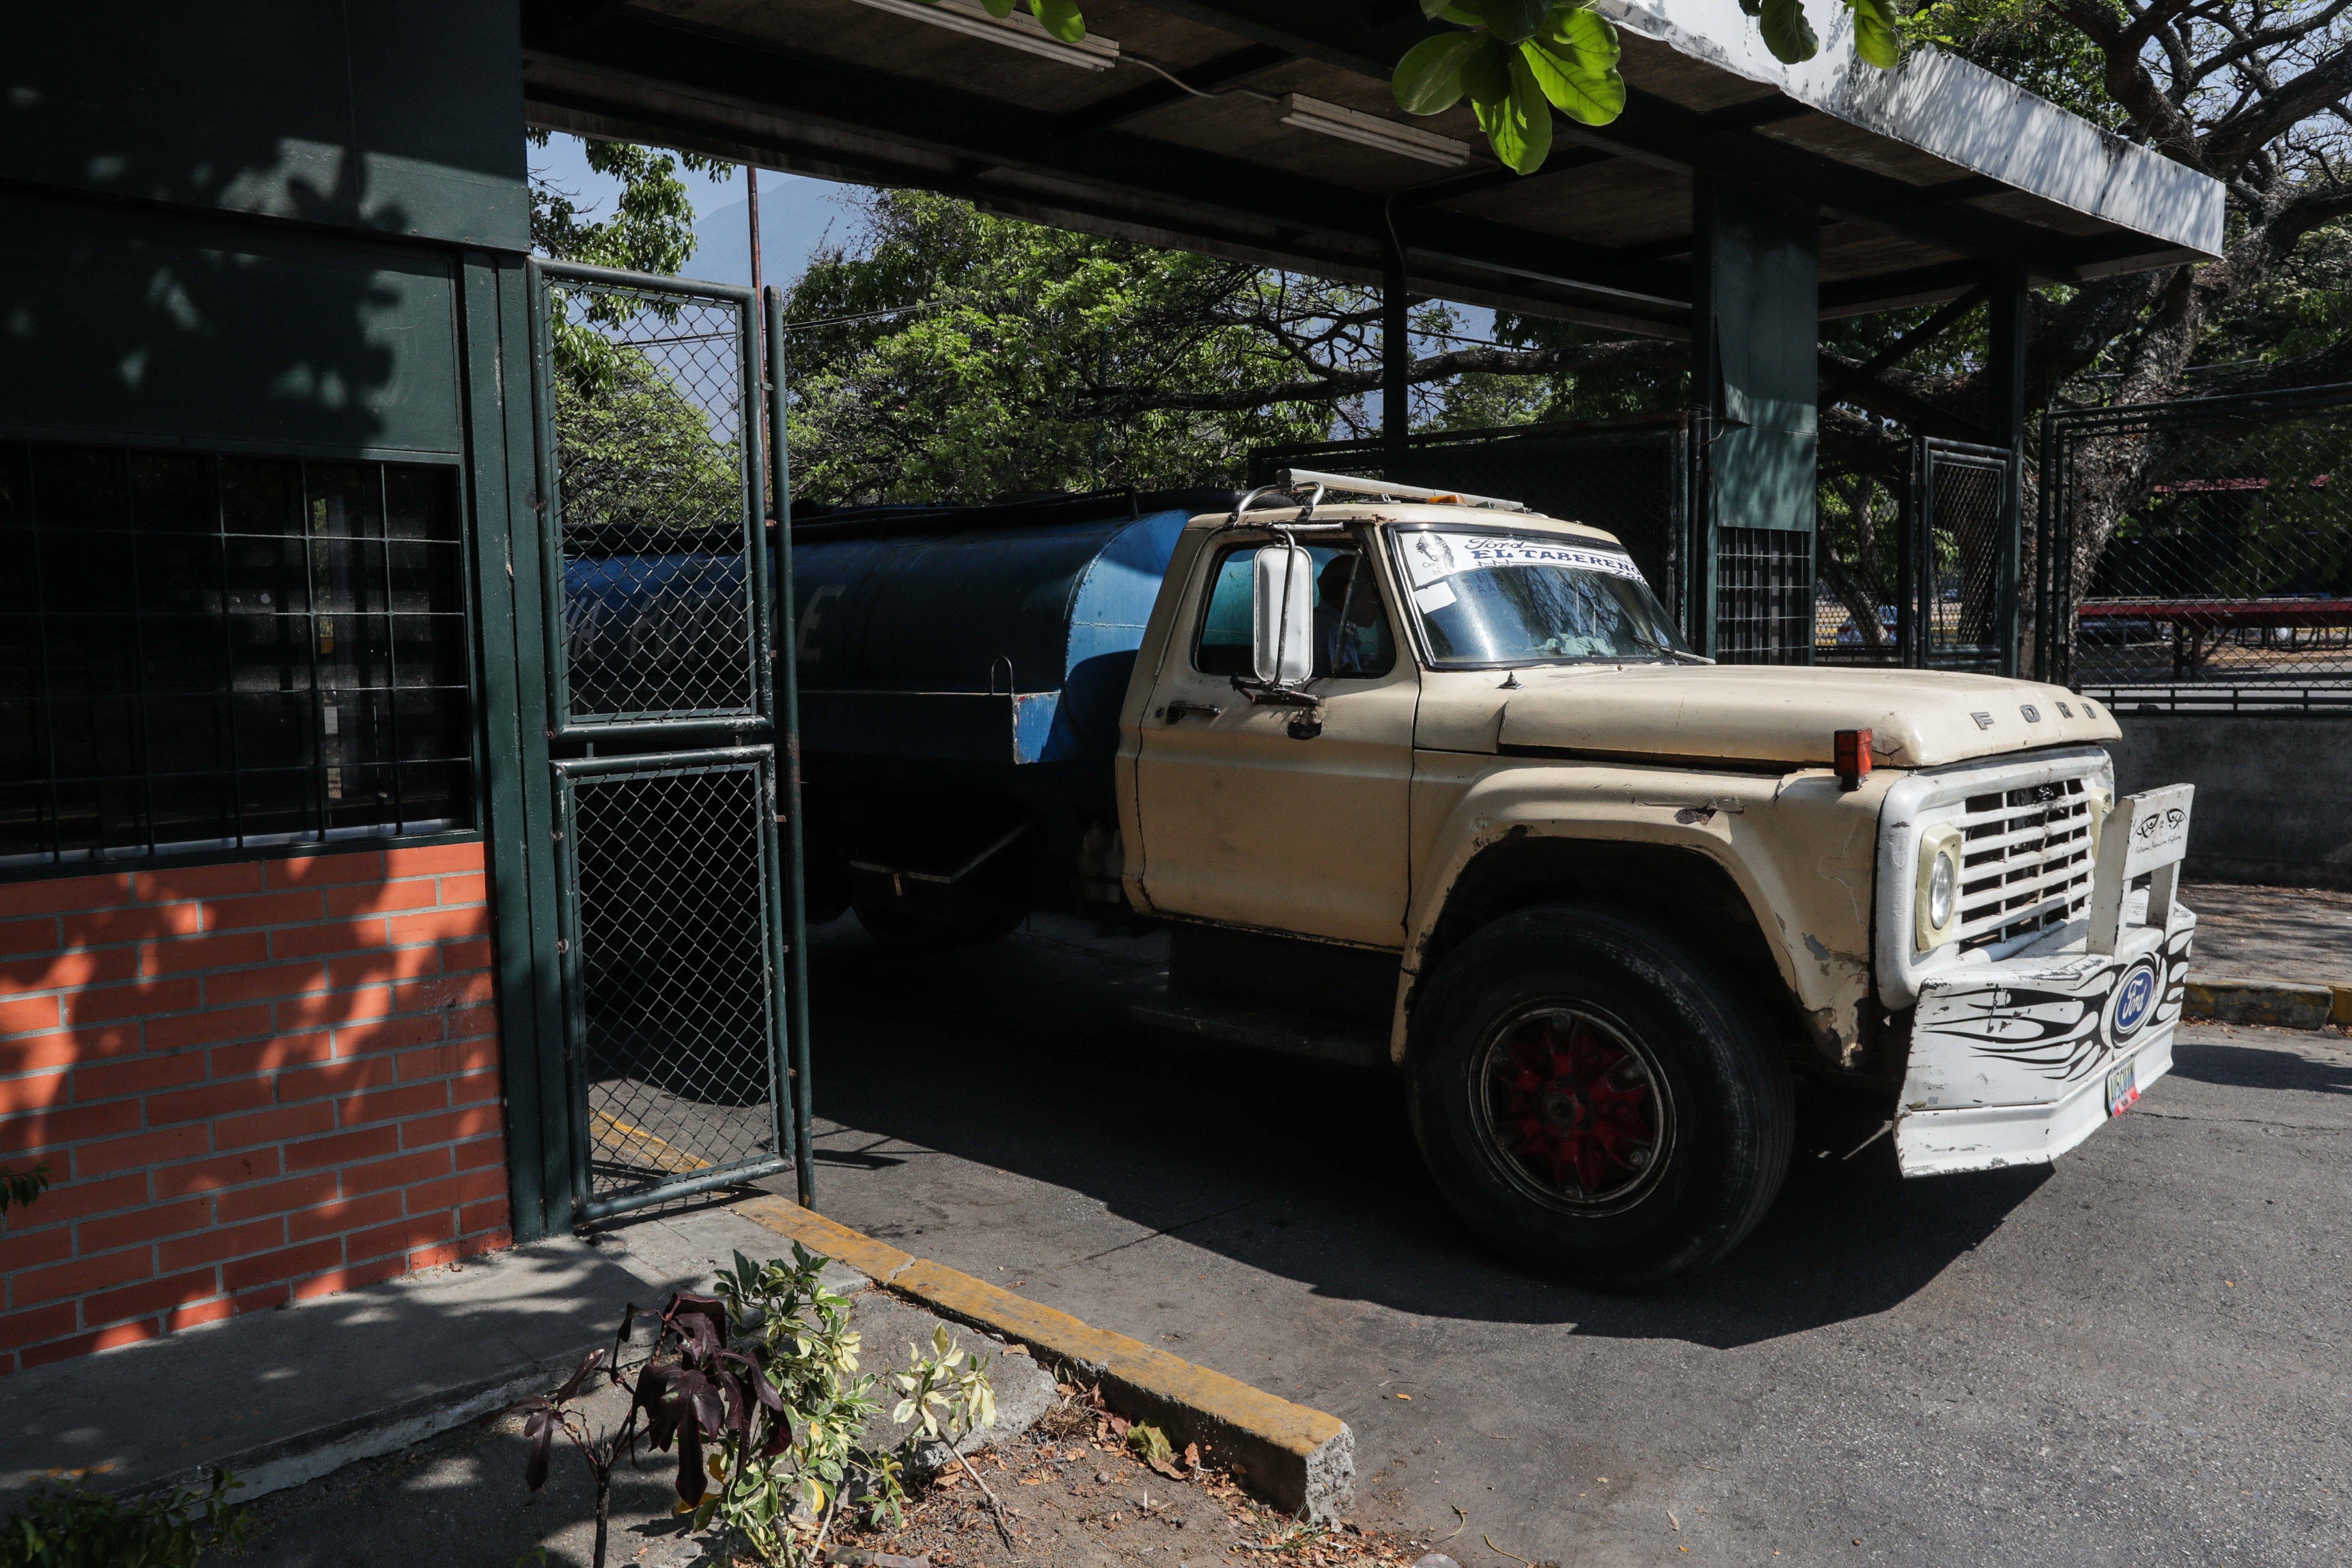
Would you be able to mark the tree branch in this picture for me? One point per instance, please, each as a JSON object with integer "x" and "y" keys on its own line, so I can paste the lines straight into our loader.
{"x": 1329, "y": 385}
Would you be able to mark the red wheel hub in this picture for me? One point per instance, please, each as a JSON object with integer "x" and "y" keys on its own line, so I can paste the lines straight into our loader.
{"x": 1574, "y": 1106}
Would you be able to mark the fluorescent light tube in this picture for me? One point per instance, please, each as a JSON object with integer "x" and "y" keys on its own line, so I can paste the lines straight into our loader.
{"x": 1369, "y": 130}
{"x": 1018, "y": 31}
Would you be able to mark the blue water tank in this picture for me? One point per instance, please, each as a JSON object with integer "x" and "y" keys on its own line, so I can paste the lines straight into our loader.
{"x": 1002, "y": 637}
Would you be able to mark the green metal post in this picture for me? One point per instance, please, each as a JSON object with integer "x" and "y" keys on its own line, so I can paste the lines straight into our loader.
{"x": 788, "y": 690}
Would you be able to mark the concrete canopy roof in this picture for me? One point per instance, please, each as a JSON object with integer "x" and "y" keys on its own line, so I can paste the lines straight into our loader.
{"x": 1928, "y": 178}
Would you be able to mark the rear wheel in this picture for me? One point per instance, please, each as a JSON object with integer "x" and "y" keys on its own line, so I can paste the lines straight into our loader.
{"x": 1594, "y": 1100}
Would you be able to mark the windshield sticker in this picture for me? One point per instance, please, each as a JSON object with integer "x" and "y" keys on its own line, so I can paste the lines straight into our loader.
{"x": 1434, "y": 597}
{"x": 1432, "y": 555}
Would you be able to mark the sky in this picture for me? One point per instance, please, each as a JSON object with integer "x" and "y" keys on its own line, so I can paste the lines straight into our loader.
{"x": 796, "y": 214}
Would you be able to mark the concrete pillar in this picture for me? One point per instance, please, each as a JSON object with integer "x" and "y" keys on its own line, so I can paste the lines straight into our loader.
{"x": 1396, "y": 354}
{"x": 2010, "y": 303}
{"x": 1755, "y": 382}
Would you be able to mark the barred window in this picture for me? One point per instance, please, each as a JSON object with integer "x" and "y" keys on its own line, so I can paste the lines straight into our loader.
{"x": 1764, "y": 590}
{"x": 207, "y": 651}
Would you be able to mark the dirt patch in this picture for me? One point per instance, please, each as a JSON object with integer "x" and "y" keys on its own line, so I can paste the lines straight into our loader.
{"x": 1077, "y": 1495}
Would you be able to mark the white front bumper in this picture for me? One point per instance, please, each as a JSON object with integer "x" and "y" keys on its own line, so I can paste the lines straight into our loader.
{"x": 2010, "y": 1060}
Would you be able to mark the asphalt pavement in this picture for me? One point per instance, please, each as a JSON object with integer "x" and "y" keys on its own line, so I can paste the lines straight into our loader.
{"x": 2141, "y": 1357}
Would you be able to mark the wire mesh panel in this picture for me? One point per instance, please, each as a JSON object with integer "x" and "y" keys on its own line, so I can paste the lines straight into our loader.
{"x": 1764, "y": 595}
{"x": 2198, "y": 554}
{"x": 1629, "y": 480}
{"x": 653, "y": 413}
{"x": 673, "y": 968}
{"x": 1959, "y": 495}
{"x": 1863, "y": 552}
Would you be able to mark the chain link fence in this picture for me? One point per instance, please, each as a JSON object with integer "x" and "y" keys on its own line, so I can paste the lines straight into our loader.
{"x": 1910, "y": 569}
{"x": 672, "y": 901}
{"x": 672, "y": 953}
{"x": 652, "y": 391}
{"x": 2198, "y": 554}
{"x": 1861, "y": 564}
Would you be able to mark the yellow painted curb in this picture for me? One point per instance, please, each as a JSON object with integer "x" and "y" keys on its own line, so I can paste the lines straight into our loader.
{"x": 1300, "y": 1460}
{"x": 877, "y": 1261}
{"x": 2275, "y": 1004}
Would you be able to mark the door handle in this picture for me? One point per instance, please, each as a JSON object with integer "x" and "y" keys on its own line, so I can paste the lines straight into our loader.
{"x": 1180, "y": 710}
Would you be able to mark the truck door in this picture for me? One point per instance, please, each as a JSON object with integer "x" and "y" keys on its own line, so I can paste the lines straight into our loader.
{"x": 1251, "y": 818}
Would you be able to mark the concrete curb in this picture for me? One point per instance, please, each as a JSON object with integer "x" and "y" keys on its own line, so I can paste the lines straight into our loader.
{"x": 2276, "y": 1003}
{"x": 294, "y": 1461}
{"x": 1302, "y": 1460}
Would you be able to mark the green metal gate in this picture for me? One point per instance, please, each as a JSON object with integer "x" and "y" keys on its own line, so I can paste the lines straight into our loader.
{"x": 676, "y": 888}
{"x": 1960, "y": 611}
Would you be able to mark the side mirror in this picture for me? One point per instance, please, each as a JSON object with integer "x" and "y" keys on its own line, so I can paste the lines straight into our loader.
{"x": 1282, "y": 616}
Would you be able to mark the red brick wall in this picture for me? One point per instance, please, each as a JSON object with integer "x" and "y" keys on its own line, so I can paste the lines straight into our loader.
{"x": 251, "y": 1082}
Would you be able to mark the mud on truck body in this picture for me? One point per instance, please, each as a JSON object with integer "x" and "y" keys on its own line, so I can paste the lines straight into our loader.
{"x": 1432, "y": 784}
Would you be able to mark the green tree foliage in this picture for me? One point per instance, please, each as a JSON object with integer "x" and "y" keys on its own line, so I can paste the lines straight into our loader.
{"x": 69, "y": 1524}
{"x": 954, "y": 356}
{"x": 635, "y": 451}
{"x": 651, "y": 227}
{"x": 1517, "y": 60}
{"x": 1059, "y": 17}
{"x": 635, "y": 448}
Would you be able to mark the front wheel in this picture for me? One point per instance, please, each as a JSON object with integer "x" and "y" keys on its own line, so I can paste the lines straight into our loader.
{"x": 1594, "y": 1101}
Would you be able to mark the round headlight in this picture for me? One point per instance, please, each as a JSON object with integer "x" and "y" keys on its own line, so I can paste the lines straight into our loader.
{"x": 1936, "y": 904}
{"x": 1943, "y": 883}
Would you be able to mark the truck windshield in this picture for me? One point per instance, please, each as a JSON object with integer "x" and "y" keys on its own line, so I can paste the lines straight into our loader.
{"x": 1492, "y": 596}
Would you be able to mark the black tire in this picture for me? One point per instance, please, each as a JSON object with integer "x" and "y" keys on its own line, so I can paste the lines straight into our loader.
{"x": 895, "y": 925}
{"x": 1494, "y": 1019}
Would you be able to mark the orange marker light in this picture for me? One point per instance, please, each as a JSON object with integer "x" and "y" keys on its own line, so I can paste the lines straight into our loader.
{"x": 1853, "y": 758}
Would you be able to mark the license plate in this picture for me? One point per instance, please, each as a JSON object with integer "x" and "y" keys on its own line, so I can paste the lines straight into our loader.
{"x": 2123, "y": 1087}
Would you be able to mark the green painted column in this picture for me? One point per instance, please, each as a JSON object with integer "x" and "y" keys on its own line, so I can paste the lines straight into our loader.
{"x": 1754, "y": 377}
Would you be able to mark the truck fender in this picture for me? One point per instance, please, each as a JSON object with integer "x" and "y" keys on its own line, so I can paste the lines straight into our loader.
{"x": 1811, "y": 911}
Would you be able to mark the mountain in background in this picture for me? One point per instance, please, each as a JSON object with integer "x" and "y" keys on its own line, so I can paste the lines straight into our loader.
{"x": 795, "y": 214}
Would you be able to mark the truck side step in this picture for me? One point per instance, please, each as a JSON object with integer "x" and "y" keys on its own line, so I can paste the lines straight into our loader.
{"x": 1340, "y": 1042}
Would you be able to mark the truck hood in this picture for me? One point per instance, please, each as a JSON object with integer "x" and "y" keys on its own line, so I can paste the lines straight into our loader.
{"x": 1750, "y": 714}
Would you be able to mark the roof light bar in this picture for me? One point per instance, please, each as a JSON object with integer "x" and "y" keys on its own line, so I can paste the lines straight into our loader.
{"x": 1369, "y": 131}
{"x": 1350, "y": 484}
{"x": 1018, "y": 31}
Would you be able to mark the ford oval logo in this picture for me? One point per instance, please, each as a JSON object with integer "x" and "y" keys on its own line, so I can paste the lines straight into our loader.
{"x": 2135, "y": 999}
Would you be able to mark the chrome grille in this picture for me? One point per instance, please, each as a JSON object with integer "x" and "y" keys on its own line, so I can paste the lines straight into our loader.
{"x": 2025, "y": 861}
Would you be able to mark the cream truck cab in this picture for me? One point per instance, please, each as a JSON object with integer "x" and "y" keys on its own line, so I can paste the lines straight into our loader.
{"x": 1443, "y": 762}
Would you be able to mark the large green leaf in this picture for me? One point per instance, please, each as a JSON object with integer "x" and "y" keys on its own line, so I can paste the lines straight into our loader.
{"x": 1786, "y": 33}
{"x": 1582, "y": 40}
{"x": 1429, "y": 77}
{"x": 1513, "y": 21}
{"x": 1486, "y": 71}
{"x": 1519, "y": 127}
{"x": 1449, "y": 11}
{"x": 999, "y": 9}
{"x": 1593, "y": 97}
{"x": 1874, "y": 37}
{"x": 1059, "y": 17}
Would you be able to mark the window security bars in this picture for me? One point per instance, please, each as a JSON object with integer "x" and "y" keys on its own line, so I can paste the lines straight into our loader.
{"x": 202, "y": 652}
{"x": 1764, "y": 589}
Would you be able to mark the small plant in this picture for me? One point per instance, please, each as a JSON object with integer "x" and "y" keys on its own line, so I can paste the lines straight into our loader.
{"x": 766, "y": 1434}
{"x": 18, "y": 1188}
{"x": 71, "y": 1525}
